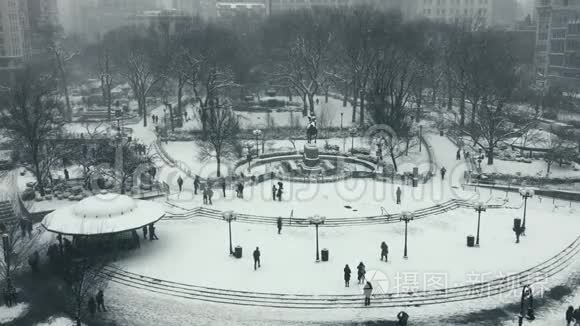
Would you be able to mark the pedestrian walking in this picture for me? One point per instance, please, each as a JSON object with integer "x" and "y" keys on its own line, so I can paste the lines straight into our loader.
{"x": 66, "y": 175}
{"x": 274, "y": 192}
{"x": 577, "y": 316}
{"x": 242, "y": 190}
{"x": 443, "y": 171}
{"x": 209, "y": 195}
{"x": 361, "y": 271}
{"x": 347, "y": 273}
{"x": 196, "y": 183}
{"x": 92, "y": 305}
{"x": 279, "y": 224}
{"x": 205, "y": 195}
{"x": 29, "y": 228}
{"x": 100, "y": 298}
{"x": 368, "y": 291}
{"x": 569, "y": 315}
{"x": 152, "y": 234}
{"x": 223, "y": 185}
{"x": 458, "y": 155}
{"x": 33, "y": 260}
{"x": 257, "y": 255}
{"x": 145, "y": 232}
{"x": 180, "y": 183}
{"x": 399, "y": 192}
{"x": 279, "y": 193}
{"x": 402, "y": 318}
{"x": 384, "y": 252}
{"x": 22, "y": 224}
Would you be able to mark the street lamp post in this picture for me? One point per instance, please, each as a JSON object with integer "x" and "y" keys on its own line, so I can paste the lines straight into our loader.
{"x": 525, "y": 193}
{"x": 118, "y": 115}
{"x": 406, "y": 217}
{"x": 420, "y": 137}
{"x": 317, "y": 220}
{"x": 479, "y": 207}
{"x": 230, "y": 216}
{"x": 258, "y": 134}
{"x": 341, "y": 117}
{"x": 7, "y": 251}
{"x": 353, "y": 132}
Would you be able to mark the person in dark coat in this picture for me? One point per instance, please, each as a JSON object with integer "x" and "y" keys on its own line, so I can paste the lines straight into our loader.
{"x": 223, "y": 185}
{"x": 92, "y": 306}
{"x": 384, "y": 251}
{"x": 458, "y": 155}
{"x": 145, "y": 232}
{"x": 196, "y": 183}
{"x": 242, "y": 190}
{"x": 205, "y": 195}
{"x": 569, "y": 315}
{"x": 361, "y": 271}
{"x": 257, "y": 255}
{"x": 209, "y": 195}
{"x": 180, "y": 183}
{"x": 29, "y": 228}
{"x": 279, "y": 224}
{"x": 279, "y": 193}
{"x": 33, "y": 261}
{"x": 368, "y": 291}
{"x": 399, "y": 195}
{"x": 347, "y": 273}
{"x": 22, "y": 224}
{"x": 100, "y": 298}
{"x": 577, "y": 316}
{"x": 274, "y": 192}
{"x": 443, "y": 171}
{"x": 152, "y": 235}
{"x": 66, "y": 175}
{"x": 402, "y": 318}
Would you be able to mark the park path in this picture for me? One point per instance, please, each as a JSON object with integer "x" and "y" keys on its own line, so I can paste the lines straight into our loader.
{"x": 444, "y": 152}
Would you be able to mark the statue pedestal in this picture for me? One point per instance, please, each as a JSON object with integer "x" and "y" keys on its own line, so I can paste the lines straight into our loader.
{"x": 311, "y": 159}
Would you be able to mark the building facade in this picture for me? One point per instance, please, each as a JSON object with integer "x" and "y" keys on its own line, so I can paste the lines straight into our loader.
{"x": 485, "y": 13}
{"x": 557, "y": 52}
{"x": 14, "y": 34}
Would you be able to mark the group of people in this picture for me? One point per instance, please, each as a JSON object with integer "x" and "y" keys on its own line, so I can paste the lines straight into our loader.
{"x": 97, "y": 303}
{"x": 277, "y": 191}
{"x": 150, "y": 229}
{"x": 155, "y": 118}
{"x": 573, "y": 316}
{"x": 25, "y": 227}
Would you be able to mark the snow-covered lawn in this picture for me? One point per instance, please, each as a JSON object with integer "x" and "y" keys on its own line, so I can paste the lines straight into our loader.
{"x": 535, "y": 168}
{"x": 57, "y": 321}
{"x": 8, "y": 314}
{"x": 196, "y": 251}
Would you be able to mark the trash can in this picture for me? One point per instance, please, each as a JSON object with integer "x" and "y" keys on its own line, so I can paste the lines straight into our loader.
{"x": 440, "y": 132}
{"x": 238, "y": 252}
{"x": 415, "y": 182}
{"x": 470, "y": 241}
{"x": 324, "y": 254}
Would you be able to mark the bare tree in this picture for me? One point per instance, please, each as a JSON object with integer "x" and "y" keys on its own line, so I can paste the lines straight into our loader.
{"x": 223, "y": 130}
{"x": 105, "y": 71}
{"x": 32, "y": 119}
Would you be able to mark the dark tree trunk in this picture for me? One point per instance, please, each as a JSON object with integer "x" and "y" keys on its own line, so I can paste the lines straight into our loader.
{"x": 311, "y": 103}
{"x": 39, "y": 182}
{"x": 394, "y": 160}
{"x": 345, "y": 96}
{"x": 462, "y": 109}
{"x": 326, "y": 95}
{"x": 362, "y": 108}
{"x": 490, "y": 154}
{"x": 304, "y": 106}
{"x": 143, "y": 107}
{"x": 219, "y": 162}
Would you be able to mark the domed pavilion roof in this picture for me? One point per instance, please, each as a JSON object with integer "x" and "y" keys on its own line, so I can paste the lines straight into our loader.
{"x": 105, "y": 213}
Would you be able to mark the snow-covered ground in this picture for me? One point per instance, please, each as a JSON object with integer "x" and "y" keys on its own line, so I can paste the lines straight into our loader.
{"x": 436, "y": 244}
{"x": 8, "y": 314}
{"x": 58, "y": 321}
{"x": 535, "y": 168}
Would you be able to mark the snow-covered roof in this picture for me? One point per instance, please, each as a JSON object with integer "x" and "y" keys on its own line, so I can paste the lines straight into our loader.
{"x": 103, "y": 214}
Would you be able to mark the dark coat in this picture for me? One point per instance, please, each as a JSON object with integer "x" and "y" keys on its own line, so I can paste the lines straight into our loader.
{"x": 347, "y": 273}
{"x": 256, "y": 254}
{"x": 384, "y": 248}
